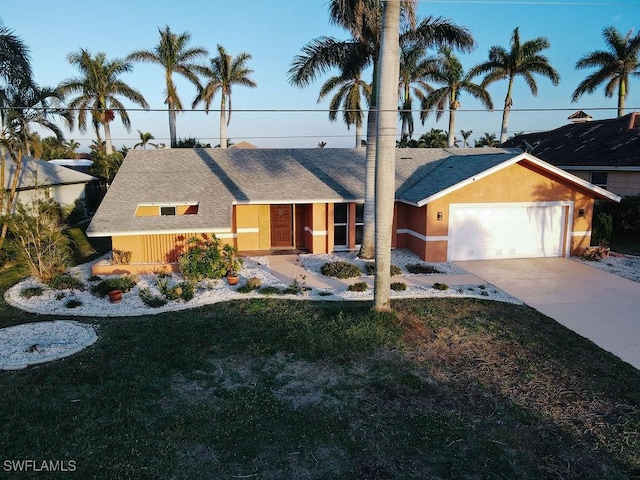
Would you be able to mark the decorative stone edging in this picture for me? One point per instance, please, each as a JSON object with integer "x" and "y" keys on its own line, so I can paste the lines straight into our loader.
{"x": 34, "y": 343}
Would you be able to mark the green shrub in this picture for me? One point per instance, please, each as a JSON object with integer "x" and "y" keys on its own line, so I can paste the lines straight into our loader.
{"x": 370, "y": 269}
{"x": 120, "y": 257}
{"x": 440, "y": 286}
{"x": 73, "y": 303}
{"x": 325, "y": 293}
{"x": 124, "y": 284}
{"x": 602, "y": 229}
{"x": 94, "y": 278}
{"x": 245, "y": 289}
{"x": 30, "y": 292}
{"x": 398, "y": 286}
{"x": 60, "y": 295}
{"x": 358, "y": 287}
{"x": 186, "y": 290}
{"x": 270, "y": 290}
{"x": 254, "y": 283}
{"x": 340, "y": 269}
{"x": 203, "y": 259}
{"x": 151, "y": 300}
{"x": 421, "y": 269}
{"x": 66, "y": 281}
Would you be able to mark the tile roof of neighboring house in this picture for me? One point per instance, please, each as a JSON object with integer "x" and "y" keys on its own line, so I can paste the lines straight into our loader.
{"x": 42, "y": 173}
{"x": 242, "y": 144}
{"x": 612, "y": 142}
{"x": 217, "y": 179}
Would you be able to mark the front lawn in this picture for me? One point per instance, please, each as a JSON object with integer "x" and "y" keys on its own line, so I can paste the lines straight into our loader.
{"x": 275, "y": 389}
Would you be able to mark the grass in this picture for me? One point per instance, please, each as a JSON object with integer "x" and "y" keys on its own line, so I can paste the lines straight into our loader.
{"x": 270, "y": 389}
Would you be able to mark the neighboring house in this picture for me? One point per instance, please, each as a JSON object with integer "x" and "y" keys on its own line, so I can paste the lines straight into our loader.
{"x": 95, "y": 190}
{"x": 603, "y": 152}
{"x": 451, "y": 204}
{"x": 64, "y": 185}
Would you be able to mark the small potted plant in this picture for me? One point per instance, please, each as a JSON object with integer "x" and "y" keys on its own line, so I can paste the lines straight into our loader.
{"x": 231, "y": 263}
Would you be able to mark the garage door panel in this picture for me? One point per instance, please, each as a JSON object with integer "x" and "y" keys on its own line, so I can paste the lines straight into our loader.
{"x": 505, "y": 231}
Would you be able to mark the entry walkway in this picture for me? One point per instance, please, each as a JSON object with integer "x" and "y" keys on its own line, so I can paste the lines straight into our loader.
{"x": 287, "y": 267}
{"x": 598, "y": 305}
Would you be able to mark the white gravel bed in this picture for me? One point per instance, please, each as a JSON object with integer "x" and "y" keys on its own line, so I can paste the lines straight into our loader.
{"x": 32, "y": 343}
{"x": 624, "y": 266}
{"x": 400, "y": 258}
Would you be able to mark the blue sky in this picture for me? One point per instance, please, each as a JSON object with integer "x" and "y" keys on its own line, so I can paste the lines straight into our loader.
{"x": 273, "y": 32}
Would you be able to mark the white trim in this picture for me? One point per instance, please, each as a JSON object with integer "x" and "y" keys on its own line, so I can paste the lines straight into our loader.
{"x": 581, "y": 234}
{"x": 220, "y": 233}
{"x": 518, "y": 158}
{"x": 424, "y": 238}
{"x": 316, "y": 233}
{"x": 307, "y": 201}
{"x": 248, "y": 230}
{"x": 168, "y": 204}
{"x": 599, "y": 168}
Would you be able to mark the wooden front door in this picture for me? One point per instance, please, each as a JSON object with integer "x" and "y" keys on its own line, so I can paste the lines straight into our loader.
{"x": 281, "y": 226}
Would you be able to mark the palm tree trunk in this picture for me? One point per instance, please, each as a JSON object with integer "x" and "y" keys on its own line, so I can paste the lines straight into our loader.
{"x": 223, "y": 123}
{"x": 358, "y": 136}
{"x": 451, "y": 140}
{"x": 172, "y": 127}
{"x": 622, "y": 93}
{"x": 505, "y": 113}
{"x": 367, "y": 248}
{"x": 386, "y": 155}
{"x": 107, "y": 138}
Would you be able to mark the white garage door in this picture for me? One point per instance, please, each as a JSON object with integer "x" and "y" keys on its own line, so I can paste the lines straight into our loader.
{"x": 493, "y": 231}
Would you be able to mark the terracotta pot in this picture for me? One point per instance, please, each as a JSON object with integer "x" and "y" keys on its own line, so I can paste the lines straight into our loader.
{"x": 115, "y": 296}
{"x": 233, "y": 279}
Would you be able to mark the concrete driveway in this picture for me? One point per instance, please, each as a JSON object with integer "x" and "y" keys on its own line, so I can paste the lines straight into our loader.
{"x": 600, "y": 306}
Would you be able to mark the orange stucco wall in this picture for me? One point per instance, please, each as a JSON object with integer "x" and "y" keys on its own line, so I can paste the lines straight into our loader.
{"x": 521, "y": 182}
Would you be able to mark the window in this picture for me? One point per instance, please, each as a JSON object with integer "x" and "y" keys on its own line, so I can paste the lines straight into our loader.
{"x": 164, "y": 211}
{"x": 599, "y": 179}
{"x": 359, "y": 223}
{"x": 340, "y": 225}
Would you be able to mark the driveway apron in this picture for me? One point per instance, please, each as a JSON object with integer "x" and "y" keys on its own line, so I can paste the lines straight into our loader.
{"x": 598, "y": 305}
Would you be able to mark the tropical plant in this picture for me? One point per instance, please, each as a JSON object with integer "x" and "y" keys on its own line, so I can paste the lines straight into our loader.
{"x": 15, "y": 64}
{"x": 465, "y": 137}
{"x": 145, "y": 139}
{"x": 614, "y": 66}
{"x": 348, "y": 98}
{"x": 450, "y": 74}
{"x": 223, "y": 72}
{"x": 106, "y": 166}
{"x": 174, "y": 55}
{"x": 362, "y": 19}
{"x": 523, "y": 59}
{"x": 97, "y": 90}
{"x": 487, "y": 140}
{"x": 415, "y": 67}
{"x": 36, "y": 229}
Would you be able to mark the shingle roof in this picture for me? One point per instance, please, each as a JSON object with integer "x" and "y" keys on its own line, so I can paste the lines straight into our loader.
{"x": 217, "y": 179}
{"x": 613, "y": 142}
{"x": 42, "y": 173}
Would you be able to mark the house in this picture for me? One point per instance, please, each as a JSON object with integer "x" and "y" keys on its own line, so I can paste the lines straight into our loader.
{"x": 603, "y": 152}
{"x": 451, "y": 204}
{"x": 64, "y": 185}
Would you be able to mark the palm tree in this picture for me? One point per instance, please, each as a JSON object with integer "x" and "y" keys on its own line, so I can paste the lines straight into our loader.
{"x": 350, "y": 90}
{"x": 145, "y": 139}
{"x": 15, "y": 64}
{"x": 173, "y": 54}
{"x": 72, "y": 146}
{"x": 97, "y": 90}
{"x": 525, "y": 60}
{"x": 614, "y": 66}
{"x": 24, "y": 105}
{"x": 414, "y": 69}
{"x": 451, "y": 74}
{"x": 487, "y": 140}
{"x": 385, "y": 156}
{"x": 465, "y": 137}
{"x": 362, "y": 19}
{"x": 224, "y": 72}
